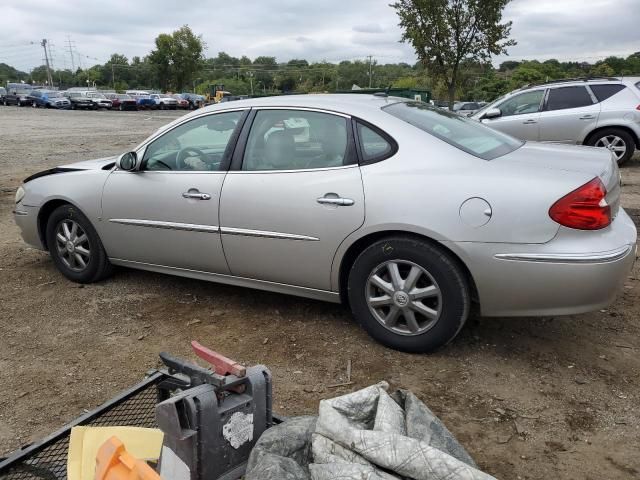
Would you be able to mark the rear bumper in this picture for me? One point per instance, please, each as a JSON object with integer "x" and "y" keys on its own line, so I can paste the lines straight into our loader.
{"x": 577, "y": 272}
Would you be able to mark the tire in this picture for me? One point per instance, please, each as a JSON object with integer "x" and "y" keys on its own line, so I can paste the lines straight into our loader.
{"x": 161, "y": 106}
{"x": 616, "y": 138}
{"x": 441, "y": 283}
{"x": 97, "y": 265}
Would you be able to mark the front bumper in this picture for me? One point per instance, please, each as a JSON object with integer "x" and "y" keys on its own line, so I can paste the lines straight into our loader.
{"x": 576, "y": 272}
{"x": 27, "y": 220}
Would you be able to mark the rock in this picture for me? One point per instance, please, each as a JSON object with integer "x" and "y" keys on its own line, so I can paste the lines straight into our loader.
{"x": 265, "y": 341}
{"x": 195, "y": 321}
{"x": 504, "y": 438}
{"x": 580, "y": 380}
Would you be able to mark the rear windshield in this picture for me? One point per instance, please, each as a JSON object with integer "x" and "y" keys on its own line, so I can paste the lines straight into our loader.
{"x": 463, "y": 133}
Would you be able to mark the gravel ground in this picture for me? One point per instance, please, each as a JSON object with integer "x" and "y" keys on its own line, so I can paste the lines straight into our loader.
{"x": 530, "y": 398}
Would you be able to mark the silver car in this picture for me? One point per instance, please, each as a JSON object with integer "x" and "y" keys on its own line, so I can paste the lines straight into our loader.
{"x": 407, "y": 213}
{"x": 466, "y": 109}
{"x": 596, "y": 112}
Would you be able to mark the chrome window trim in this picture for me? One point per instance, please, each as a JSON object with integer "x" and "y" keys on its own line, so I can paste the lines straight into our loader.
{"x": 304, "y": 109}
{"x": 578, "y": 258}
{"x": 295, "y": 170}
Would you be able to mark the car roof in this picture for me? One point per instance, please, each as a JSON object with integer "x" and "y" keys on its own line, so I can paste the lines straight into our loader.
{"x": 348, "y": 103}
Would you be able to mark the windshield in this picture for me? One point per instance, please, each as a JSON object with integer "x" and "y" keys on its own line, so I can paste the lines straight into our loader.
{"x": 463, "y": 133}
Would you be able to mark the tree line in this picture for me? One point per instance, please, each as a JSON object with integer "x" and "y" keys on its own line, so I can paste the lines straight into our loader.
{"x": 177, "y": 64}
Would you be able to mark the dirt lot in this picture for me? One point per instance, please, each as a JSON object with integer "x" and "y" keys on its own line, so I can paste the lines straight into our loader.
{"x": 552, "y": 398}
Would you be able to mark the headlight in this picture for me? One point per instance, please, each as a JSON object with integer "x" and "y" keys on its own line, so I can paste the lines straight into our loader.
{"x": 19, "y": 194}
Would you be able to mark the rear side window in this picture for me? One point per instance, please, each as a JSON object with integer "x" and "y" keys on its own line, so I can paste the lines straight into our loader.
{"x": 373, "y": 146}
{"x": 461, "y": 132}
{"x": 568, "y": 97}
{"x": 602, "y": 92}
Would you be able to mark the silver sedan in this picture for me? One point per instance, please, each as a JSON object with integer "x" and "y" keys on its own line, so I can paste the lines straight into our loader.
{"x": 406, "y": 213}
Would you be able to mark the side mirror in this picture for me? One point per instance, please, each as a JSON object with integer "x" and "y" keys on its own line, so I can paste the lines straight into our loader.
{"x": 127, "y": 161}
{"x": 492, "y": 113}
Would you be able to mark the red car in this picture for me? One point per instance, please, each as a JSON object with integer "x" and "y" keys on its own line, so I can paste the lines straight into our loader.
{"x": 122, "y": 101}
{"x": 182, "y": 103}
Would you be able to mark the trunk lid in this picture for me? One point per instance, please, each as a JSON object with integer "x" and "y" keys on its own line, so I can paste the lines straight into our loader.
{"x": 597, "y": 162}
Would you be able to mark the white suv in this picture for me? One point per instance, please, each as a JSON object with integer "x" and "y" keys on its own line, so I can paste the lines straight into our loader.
{"x": 602, "y": 112}
{"x": 164, "y": 101}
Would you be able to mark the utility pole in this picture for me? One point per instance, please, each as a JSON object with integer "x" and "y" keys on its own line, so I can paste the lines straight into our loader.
{"x": 370, "y": 69}
{"x": 251, "y": 80}
{"x": 113, "y": 77}
{"x": 46, "y": 60}
{"x": 70, "y": 48}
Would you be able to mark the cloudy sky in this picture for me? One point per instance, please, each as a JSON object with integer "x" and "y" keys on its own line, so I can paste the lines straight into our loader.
{"x": 332, "y": 30}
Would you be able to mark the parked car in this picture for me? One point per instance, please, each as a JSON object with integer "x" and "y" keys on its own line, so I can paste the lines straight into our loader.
{"x": 164, "y": 101}
{"x": 181, "y": 102}
{"x": 597, "y": 112}
{"x": 49, "y": 99}
{"x": 19, "y": 97}
{"x": 466, "y": 109}
{"x": 79, "y": 101}
{"x": 143, "y": 99}
{"x": 3, "y": 92}
{"x": 459, "y": 225}
{"x": 122, "y": 101}
{"x": 195, "y": 101}
{"x": 99, "y": 100}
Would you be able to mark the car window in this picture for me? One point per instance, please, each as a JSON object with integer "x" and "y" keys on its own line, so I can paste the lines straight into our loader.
{"x": 563, "y": 98}
{"x": 197, "y": 145}
{"x": 528, "y": 102}
{"x": 295, "y": 139}
{"x": 372, "y": 145}
{"x": 602, "y": 92}
{"x": 461, "y": 132}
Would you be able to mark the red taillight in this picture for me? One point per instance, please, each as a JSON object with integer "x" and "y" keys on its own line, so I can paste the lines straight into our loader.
{"x": 584, "y": 209}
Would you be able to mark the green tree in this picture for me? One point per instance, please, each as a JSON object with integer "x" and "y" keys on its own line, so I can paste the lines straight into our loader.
{"x": 177, "y": 58}
{"x": 444, "y": 33}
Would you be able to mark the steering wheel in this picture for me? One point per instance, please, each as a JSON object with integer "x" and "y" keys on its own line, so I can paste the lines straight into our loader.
{"x": 182, "y": 156}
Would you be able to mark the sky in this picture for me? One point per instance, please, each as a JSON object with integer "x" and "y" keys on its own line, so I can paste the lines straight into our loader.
{"x": 332, "y": 30}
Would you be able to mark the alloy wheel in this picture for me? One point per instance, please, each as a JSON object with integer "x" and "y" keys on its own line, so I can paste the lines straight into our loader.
{"x": 615, "y": 144}
{"x": 403, "y": 297}
{"x": 73, "y": 246}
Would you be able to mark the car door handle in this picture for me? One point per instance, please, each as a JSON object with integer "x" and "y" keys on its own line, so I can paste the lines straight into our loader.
{"x": 343, "y": 202}
{"x": 196, "y": 195}
{"x": 529, "y": 122}
{"x": 587, "y": 117}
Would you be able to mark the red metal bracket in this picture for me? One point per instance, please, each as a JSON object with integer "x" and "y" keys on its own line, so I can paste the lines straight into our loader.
{"x": 221, "y": 364}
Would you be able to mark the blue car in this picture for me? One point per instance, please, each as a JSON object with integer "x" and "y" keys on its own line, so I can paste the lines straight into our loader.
{"x": 49, "y": 99}
{"x": 143, "y": 100}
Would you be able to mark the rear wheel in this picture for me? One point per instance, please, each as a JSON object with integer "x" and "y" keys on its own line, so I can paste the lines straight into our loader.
{"x": 618, "y": 141}
{"x": 408, "y": 294}
{"x": 75, "y": 247}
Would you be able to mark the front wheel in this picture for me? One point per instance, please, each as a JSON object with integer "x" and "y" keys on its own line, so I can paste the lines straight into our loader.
{"x": 409, "y": 294}
{"x": 75, "y": 247}
{"x": 619, "y": 142}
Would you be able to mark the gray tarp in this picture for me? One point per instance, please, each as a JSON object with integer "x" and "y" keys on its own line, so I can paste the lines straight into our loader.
{"x": 365, "y": 435}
